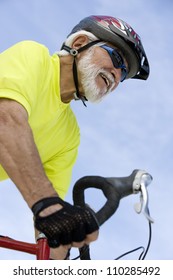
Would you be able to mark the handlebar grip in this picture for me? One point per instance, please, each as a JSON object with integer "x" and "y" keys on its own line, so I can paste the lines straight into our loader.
{"x": 113, "y": 189}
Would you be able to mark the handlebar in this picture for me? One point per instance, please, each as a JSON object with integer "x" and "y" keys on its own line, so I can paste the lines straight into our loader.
{"x": 114, "y": 189}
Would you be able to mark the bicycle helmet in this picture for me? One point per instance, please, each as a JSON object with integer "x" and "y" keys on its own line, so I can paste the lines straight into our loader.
{"x": 121, "y": 35}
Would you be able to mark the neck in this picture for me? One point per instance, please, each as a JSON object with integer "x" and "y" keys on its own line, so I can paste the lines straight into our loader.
{"x": 67, "y": 87}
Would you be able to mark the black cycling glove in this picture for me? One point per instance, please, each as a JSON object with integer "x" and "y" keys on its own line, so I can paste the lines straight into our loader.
{"x": 67, "y": 225}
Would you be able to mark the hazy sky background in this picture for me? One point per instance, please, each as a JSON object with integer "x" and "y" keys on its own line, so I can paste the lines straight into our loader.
{"x": 130, "y": 129}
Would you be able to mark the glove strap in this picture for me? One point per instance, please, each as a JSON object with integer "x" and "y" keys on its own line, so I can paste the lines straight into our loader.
{"x": 44, "y": 203}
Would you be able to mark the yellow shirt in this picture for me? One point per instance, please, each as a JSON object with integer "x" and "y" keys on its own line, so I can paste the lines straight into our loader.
{"x": 29, "y": 75}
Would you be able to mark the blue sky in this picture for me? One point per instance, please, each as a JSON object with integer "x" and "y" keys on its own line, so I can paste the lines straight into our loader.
{"x": 130, "y": 129}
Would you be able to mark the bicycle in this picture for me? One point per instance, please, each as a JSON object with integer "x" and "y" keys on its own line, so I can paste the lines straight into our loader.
{"x": 114, "y": 189}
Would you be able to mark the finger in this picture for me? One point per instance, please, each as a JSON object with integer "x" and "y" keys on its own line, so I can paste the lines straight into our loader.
{"x": 91, "y": 237}
{"x": 78, "y": 244}
{"x": 79, "y": 234}
{"x": 65, "y": 238}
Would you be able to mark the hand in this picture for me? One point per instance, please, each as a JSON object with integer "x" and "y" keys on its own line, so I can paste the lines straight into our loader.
{"x": 70, "y": 225}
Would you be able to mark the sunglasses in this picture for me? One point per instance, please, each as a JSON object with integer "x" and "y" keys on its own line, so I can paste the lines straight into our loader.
{"x": 117, "y": 60}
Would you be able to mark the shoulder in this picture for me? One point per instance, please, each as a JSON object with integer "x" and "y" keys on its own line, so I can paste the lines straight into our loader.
{"x": 29, "y": 44}
{"x": 27, "y": 51}
{"x": 32, "y": 48}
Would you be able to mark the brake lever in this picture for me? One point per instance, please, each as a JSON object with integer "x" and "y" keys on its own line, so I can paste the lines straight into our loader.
{"x": 142, "y": 180}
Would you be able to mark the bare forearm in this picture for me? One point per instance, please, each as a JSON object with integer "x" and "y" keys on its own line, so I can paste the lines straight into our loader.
{"x": 19, "y": 155}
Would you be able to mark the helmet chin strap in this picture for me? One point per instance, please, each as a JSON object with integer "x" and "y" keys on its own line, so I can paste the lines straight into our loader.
{"x": 74, "y": 53}
{"x": 75, "y": 77}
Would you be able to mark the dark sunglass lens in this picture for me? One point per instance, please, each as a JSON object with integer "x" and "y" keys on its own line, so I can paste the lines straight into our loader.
{"x": 123, "y": 74}
{"x": 117, "y": 61}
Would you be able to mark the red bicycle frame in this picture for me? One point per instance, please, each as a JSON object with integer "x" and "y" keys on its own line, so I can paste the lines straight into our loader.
{"x": 40, "y": 249}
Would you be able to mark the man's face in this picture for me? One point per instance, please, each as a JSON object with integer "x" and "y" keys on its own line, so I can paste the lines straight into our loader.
{"x": 98, "y": 75}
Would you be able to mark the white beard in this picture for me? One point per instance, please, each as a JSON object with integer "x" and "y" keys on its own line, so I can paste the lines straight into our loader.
{"x": 89, "y": 72}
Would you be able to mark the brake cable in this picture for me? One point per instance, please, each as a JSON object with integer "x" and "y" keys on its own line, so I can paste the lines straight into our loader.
{"x": 144, "y": 251}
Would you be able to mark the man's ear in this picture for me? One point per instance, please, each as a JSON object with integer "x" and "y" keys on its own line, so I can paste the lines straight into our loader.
{"x": 80, "y": 41}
